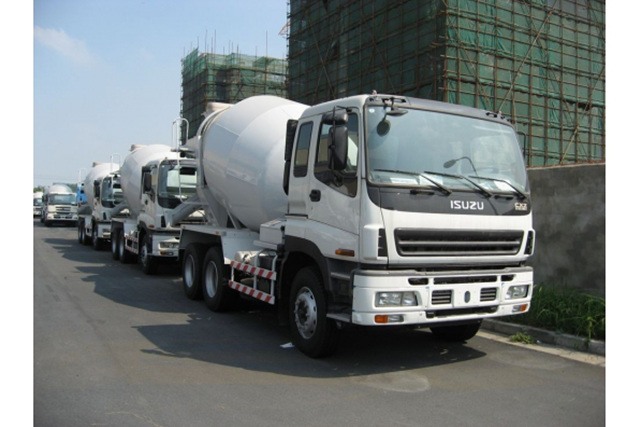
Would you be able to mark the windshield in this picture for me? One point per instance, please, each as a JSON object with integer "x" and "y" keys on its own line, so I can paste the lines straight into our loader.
{"x": 37, "y": 202}
{"x": 176, "y": 183}
{"x": 443, "y": 151}
{"x": 62, "y": 199}
{"x": 111, "y": 192}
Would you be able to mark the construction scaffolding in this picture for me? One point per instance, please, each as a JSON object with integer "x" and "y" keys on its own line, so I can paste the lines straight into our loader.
{"x": 540, "y": 62}
{"x": 210, "y": 77}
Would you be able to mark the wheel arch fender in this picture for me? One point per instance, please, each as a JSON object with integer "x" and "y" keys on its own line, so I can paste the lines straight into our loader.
{"x": 300, "y": 253}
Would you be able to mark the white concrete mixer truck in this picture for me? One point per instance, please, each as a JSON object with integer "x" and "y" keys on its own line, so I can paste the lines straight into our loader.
{"x": 59, "y": 206}
{"x": 155, "y": 183}
{"x": 37, "y": 203}
{"x": 372, "y": 210}
{"x": 101, "y": 187}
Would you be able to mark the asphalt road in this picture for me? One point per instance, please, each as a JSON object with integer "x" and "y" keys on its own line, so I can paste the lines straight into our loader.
{"x": 113, "y": 347}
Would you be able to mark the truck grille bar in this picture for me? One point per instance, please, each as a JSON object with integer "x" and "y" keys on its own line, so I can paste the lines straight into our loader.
{"x": 414, "y": 243}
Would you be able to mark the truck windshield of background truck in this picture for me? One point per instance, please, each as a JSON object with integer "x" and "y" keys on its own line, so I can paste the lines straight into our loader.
{"x": 175, "y": 184}
{"x": 444, "y": 152}
{"x": 61, "y": 199}
{"x": 111, "y": 193}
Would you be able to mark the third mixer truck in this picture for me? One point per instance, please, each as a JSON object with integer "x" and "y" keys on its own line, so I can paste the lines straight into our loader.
{"x": 370, "y": 210}
{"x": 155, "y": 181}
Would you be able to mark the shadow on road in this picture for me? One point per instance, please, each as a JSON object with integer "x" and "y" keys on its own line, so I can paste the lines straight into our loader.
{"x": 250, "y": 338}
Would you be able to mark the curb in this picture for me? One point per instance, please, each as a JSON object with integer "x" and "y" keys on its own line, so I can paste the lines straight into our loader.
{"x": 567, "y": 341}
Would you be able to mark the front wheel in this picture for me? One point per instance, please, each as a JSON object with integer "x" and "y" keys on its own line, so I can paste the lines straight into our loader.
{"x": 125, "y": 256}
{"x": 96, "y": 242}
{"x": 115, "y": 243}
{"x": 313, "y": 333}
{"x": 146, "y": 259}
{"x": 457, "y": 333}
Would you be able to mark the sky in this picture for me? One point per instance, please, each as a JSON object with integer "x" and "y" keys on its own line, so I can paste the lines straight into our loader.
{"x": 107, "y": 72}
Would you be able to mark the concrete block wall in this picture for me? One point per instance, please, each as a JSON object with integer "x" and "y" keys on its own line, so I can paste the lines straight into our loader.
{"x": 569, "y": 219}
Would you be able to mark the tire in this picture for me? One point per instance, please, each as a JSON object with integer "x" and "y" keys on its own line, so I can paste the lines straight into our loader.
{"x": 96, "y": 242}
{"x": 456, "y": 333}
{"x": 192, "y": 264}
{"x": 115, "y": 242}
{"x": 217, "y": 295}
{"x": 313, "y": 333}
{"x": 80, "y": 232}
{"x": 125, "y": 256}
{"x": 144, "y": 255}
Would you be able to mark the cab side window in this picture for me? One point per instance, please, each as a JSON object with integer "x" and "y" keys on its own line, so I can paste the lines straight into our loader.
{"x": 344, "y": 181}
{"x": 301, "y": 156}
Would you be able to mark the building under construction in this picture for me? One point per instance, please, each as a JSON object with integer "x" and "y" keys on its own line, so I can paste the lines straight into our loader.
{"x": 540, "y": 62}
{"x": 210, "y": 77}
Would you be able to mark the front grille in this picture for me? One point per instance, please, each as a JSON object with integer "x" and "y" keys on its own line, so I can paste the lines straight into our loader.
{"x": 445, "y": 296}
{"x": 441, "y": 297}
{"x": 413, "y": 243}
{"x": 488, "y": 294}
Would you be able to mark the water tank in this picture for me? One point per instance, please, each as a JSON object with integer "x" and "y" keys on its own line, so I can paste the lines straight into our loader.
{"x": 97, "y": 172}
{"x": 131, "y": 171}
{"x": 243, "y": 157}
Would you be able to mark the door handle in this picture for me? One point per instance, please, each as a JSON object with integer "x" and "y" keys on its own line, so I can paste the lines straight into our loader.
{"x": 315, "y": 195}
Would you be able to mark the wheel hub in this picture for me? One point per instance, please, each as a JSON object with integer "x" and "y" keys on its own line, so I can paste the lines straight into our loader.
{"x": 306, "y": 313}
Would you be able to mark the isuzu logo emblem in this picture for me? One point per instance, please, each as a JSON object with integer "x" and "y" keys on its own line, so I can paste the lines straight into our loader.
{"x": 467, "y": 296}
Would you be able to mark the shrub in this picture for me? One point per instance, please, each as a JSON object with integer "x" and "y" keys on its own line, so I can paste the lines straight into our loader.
{"x": 566, "y": 310}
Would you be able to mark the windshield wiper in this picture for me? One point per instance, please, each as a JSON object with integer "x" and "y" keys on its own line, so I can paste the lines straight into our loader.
{"x": 483, "y": 190}
{"x": 521, "y": 195}
{"x": 440, "y": 187}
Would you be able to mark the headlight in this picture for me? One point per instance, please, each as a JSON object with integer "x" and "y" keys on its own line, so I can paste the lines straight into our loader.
{"x": 167, "y": 244}
{"x": 516, "y": 292}
{"x": 396, "y": 299}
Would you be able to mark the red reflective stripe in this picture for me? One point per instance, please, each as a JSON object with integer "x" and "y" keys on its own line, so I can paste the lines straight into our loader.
{"x": 254, "y": 293}
{"x": 255, "y": 271}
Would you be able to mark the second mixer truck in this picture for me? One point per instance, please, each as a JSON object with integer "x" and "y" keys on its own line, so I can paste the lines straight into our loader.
{"x": 371, "y": 210}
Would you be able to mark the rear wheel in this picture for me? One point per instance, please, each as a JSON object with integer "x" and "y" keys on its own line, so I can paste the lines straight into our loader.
{"x": 217, "y": 295}
{"x": 312, "y": 332}
{"x": 457, "y": 333}
{"x": 192, "y": 270}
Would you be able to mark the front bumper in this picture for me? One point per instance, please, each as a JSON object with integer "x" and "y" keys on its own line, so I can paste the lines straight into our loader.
{"x": 440, "y": 297}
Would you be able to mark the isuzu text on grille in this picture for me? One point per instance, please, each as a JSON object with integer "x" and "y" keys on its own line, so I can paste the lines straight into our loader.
{"x": 467, "y": 205}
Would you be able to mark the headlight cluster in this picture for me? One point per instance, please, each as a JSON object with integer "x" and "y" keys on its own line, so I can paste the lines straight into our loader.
{"x": 167, "y": 244}
{"x": 396, "y": 299}
{"x": 518, "y": 291}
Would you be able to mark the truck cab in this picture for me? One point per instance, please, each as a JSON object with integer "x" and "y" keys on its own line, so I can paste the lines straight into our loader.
{"x": 412, "y": 212}
{"x": 59, "y": 206}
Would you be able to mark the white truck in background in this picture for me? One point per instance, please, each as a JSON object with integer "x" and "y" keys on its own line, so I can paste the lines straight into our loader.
{"x": 37, "y": 203}
{"x": 101, "y": 188}
{"x": 155, "y": 181}
{"x": 59, "y": 205}
{"x": 371, "y": 210}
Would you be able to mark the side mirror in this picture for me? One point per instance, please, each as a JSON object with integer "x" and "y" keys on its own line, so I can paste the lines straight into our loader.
{"x": 338, "y": 147}
{"x": 335, "y": 117}
{"x": 523, "y": 141}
